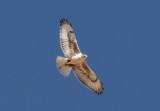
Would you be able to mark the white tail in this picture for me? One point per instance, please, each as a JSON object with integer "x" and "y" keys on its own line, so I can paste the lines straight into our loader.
{"x": 65, "y": 70}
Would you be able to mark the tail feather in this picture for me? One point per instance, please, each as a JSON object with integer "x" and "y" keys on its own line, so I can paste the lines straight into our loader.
{"x": 65, "y": 70}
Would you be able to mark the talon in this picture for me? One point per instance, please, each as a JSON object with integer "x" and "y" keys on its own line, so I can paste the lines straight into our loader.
{"x": 69, "y": 60}
{"x": 68, "y": 64}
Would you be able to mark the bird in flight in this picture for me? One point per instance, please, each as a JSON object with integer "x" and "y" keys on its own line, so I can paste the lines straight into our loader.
{"x": 75, "y": 60}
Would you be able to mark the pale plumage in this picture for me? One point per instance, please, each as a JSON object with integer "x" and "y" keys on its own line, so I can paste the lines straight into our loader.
{"x": 75, "y": 59}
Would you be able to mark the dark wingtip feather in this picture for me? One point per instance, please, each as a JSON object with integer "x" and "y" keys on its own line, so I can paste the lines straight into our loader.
{"x": 101, "y": 91}
{"x": 64, "y": 21}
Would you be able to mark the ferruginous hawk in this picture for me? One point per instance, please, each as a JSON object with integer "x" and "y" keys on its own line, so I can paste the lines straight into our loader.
{"x": 75, "y": 59}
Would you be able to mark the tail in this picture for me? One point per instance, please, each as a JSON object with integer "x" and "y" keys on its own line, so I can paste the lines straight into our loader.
{"x": 65, "y": 70}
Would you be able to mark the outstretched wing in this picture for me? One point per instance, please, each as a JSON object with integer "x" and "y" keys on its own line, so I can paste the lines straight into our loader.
{"x": 68, "y": 39}
{"x": 88, "y": 77}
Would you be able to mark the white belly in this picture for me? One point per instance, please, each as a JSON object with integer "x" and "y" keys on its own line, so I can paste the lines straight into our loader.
{"x": 77, "y": 59}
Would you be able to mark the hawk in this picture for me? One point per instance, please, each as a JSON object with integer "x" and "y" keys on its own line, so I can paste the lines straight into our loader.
{"x": 75, "y": 59}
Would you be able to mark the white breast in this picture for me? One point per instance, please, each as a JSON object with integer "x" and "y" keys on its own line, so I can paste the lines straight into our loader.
{"x": 77, "y": 56}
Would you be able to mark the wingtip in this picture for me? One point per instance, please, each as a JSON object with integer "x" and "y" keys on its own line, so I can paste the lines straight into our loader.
{"x": 100, "y": 92}
{"x": 64, "y": 21}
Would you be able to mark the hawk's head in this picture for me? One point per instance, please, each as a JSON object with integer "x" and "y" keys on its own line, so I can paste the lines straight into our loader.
{"x": 84, "y": 56}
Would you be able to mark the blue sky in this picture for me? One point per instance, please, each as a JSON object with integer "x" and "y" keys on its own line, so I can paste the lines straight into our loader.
{"x": 121, "y": 39}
